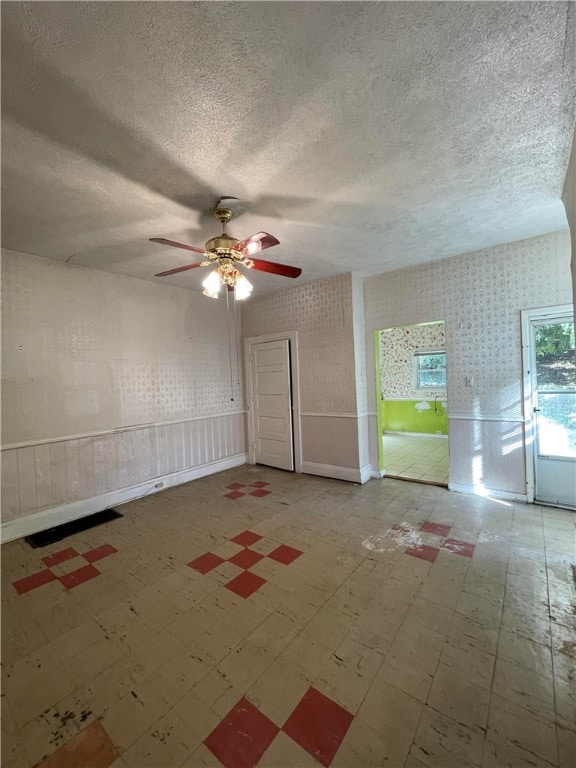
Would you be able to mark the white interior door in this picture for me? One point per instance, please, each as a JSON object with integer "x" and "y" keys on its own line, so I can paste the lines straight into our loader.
{"x": 553, "y": 377}
{"x": 272, "y": 404}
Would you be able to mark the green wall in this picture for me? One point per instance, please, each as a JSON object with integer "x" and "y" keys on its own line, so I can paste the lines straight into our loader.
{"x": 402, "y": 416}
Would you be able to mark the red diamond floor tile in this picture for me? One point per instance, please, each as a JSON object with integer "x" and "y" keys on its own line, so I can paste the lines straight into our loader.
{"x": 285, "y": 554}
{"x": 245, "y": 584}
{"x": 436, "y": 528}
{"x": 463, "y": 548}
{"x": 246, "y": 558}
{"x": 424, "y": 552}
{"x": 97, "y": 554}
{"x": 235, "y": 486}
{"x": 32, "y": 582}
{"x": 241, "y": 739}
{"x": 260, "y": 492}
{"x": 318, "y": 725}
{"x": 206, "y": 563}
{"x": 259, "y": 484}
{"x": 246, "y": 538}
{"x": 75, "y": 578}
{"x": 234, "y": 495}
{"x": 59, "y": 557}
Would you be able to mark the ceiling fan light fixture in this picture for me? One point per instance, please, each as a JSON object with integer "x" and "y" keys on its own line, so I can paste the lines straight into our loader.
{"x": 225, "y": 252}
{"x": 212, "y": 284}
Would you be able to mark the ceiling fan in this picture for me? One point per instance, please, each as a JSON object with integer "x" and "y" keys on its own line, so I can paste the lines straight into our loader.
{"x": 227, "y": 253}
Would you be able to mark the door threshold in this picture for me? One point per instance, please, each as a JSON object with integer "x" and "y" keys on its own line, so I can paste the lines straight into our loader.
{"x": 416, "y": 480}
{"x": 556, "y": 505}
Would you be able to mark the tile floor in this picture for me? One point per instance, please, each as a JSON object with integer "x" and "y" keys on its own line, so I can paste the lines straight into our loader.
{"x": 321, "y": 624}
{"x": 416, "y": 458}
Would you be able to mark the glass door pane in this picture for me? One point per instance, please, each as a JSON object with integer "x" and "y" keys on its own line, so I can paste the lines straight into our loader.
{"x": 557, "y": 424}
{"x": 556, "y": 389}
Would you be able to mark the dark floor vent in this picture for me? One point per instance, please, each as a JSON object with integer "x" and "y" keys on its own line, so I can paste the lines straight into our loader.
{"x": 50, "y": 535}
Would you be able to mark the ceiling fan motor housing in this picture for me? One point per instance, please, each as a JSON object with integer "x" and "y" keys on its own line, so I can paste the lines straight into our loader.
{"x": 221, "y": 245}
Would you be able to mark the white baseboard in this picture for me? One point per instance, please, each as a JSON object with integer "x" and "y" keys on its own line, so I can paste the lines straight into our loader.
{"x": 481, "y": 490}
{"x": 48, "y": 518}
{"x": 338, "y": 473}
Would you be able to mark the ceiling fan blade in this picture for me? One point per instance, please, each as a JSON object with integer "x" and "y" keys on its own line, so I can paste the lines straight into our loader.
{"x": 163, "y": 241}
{"x": 258, "y": 242}
{"x": 179, "y": 269}
{"x": 276, "y": 269}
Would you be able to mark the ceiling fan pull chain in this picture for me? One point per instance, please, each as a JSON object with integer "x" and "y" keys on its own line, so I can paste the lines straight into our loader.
{"x": 230, "y": 346}
{"x": 237, "y": 334}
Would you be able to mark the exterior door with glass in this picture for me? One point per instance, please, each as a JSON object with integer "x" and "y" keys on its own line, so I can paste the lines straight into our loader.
{"x": 552, "y": 372}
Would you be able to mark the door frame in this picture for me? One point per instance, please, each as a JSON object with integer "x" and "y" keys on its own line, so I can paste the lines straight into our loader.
{"x": 379, "y": 415}
{"x": 379, "y": 410}
{"x": 292, "y": 338}
{"x": 526, "y": 317}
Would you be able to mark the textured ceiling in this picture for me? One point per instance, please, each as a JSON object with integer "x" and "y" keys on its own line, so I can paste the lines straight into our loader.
{"x": 365, "y": 136}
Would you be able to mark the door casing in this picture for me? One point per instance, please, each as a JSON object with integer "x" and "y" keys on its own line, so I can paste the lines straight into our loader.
{"x": 527, "y": 317}
{"x": 292, "y": 337}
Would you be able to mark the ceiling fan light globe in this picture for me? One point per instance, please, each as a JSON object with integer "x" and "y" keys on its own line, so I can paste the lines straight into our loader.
{"x": 243, "y": 288}
{"x": 212, "y": 284}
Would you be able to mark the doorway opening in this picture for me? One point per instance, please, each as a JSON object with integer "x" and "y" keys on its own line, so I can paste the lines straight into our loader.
{"x": 412, "y": 403}
{"x": 550, "y": 404}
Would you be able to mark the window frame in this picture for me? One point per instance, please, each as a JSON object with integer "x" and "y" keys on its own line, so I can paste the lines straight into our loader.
{"x": 418, "y": 353}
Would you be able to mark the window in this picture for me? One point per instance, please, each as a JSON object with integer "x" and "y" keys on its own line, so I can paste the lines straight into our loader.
{"x": 430, "y": 369}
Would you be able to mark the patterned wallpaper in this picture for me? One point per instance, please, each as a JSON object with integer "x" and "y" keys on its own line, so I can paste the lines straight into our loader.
{"x": 359, "y": 342}
{"x": 87, "y": 351}
{"x": 322, "y": 314}
{"x": 397, "y": 347}
{"x": 479, "y": 296}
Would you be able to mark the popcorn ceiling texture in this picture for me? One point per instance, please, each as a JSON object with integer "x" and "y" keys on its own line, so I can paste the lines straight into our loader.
{"x": 479, "y": 296}
{"x": 322, "y": 314}
{"x": 365, "y": 136}
{"x": 397, "y": 347}
{"x": 85, "y": 351}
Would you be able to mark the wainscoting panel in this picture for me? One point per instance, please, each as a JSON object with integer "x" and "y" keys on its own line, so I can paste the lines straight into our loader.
{"x": 335, "y": 445}
{"x": 487, "y": 456}
{"x": 330, "y": 439}
{"x": 47, "y": 475}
